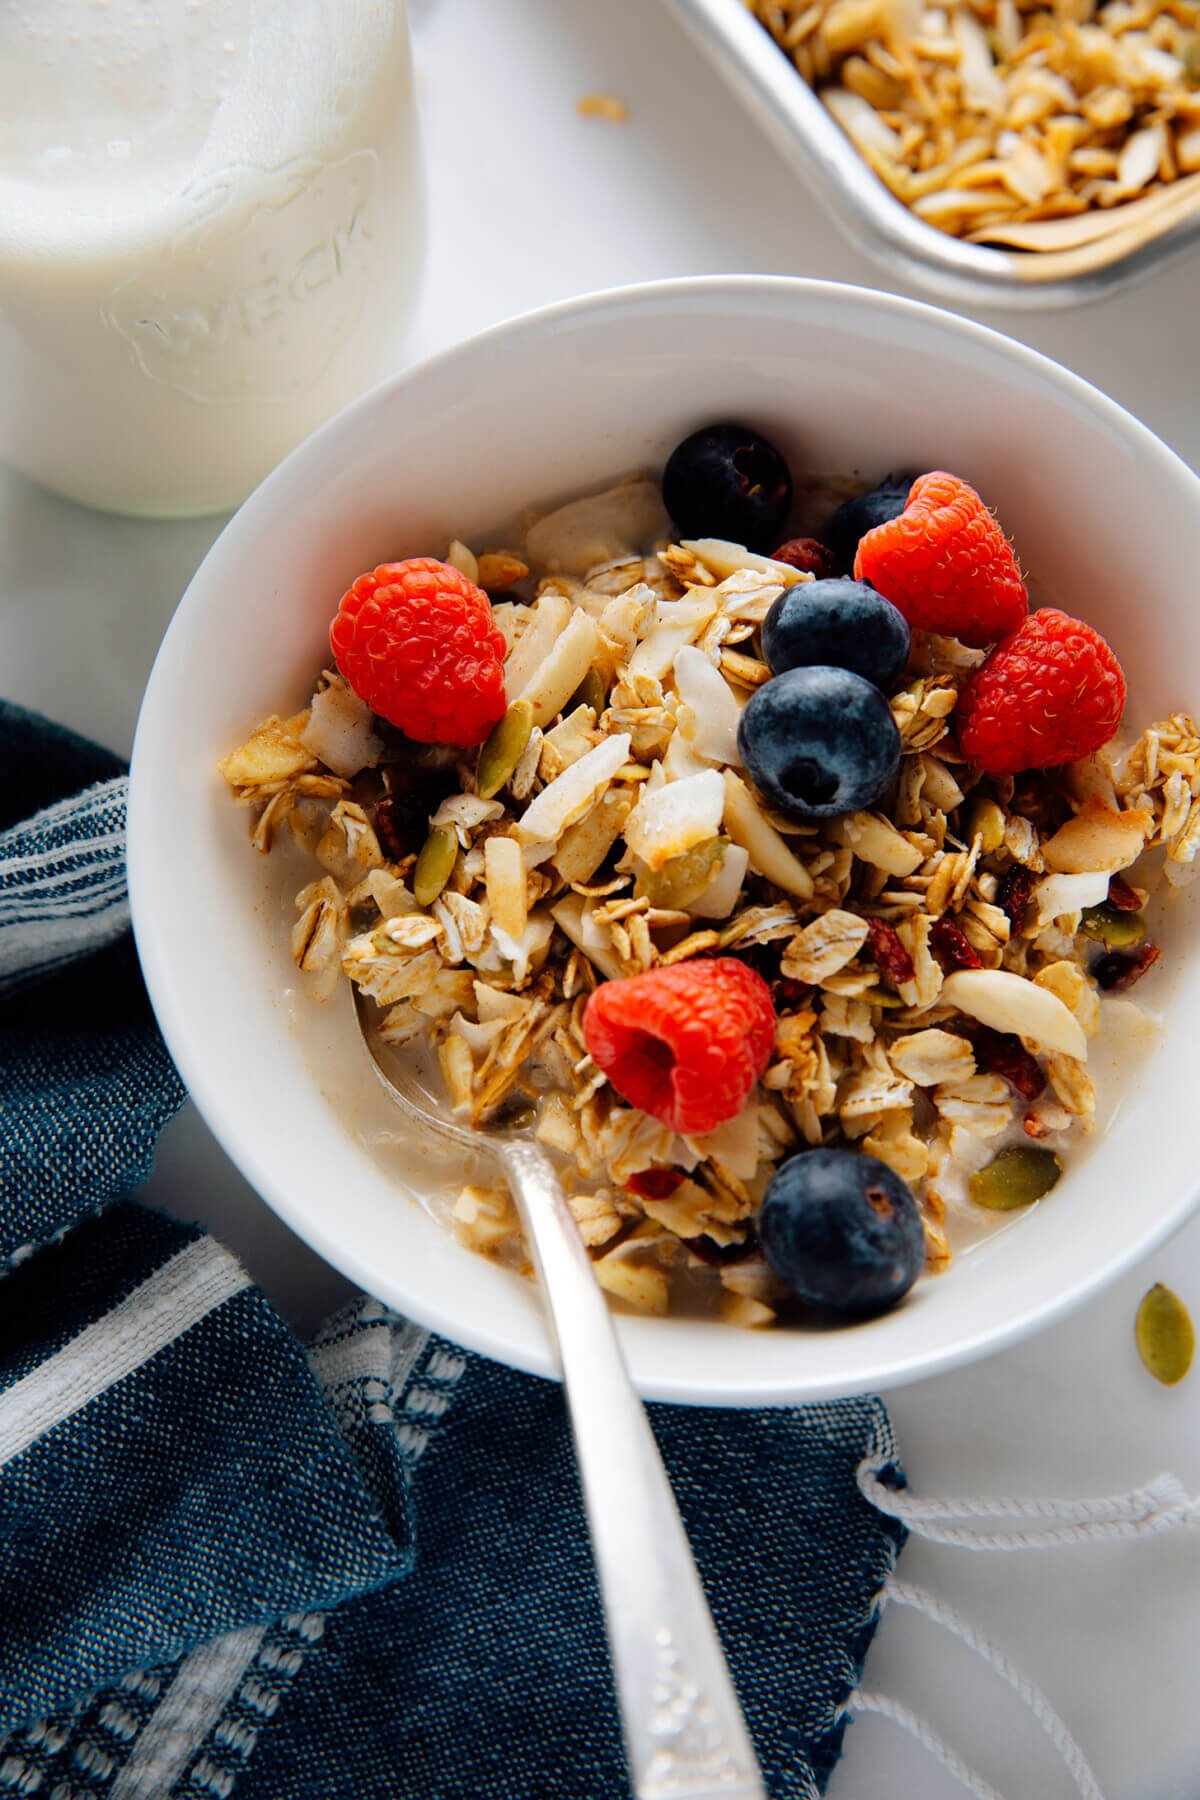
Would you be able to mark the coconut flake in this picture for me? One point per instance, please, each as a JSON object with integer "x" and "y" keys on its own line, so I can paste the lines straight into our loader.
{"x": 600, "y": 528}
{"x": 464, "y": 813}
{"x": 734, "y": 1144}
{"x": 340, "y": 730}
{"x": 675, "y": 817}
{"x": 710, "y": 714}
{"x": 721, "y": 895}
{"x": 1062, "y": 896}
{"x": 570, "y": 794}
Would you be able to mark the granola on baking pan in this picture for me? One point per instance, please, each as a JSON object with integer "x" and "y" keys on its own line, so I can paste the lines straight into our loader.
{"x": 729, "y": 863}
{"x": 1032, "y": 123}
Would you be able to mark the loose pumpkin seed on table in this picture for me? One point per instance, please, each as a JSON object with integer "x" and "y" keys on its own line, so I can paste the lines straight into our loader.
{"x": 1166, "y": 1337}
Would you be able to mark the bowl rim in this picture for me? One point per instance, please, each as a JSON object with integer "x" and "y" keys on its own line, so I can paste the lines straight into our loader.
{"x": 152, "y": 940}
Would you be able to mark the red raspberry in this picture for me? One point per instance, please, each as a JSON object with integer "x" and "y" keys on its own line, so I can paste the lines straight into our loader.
{"x": 1049, "y": 694}
{"x": 946, "y": 564}
{"x": 417, "y": 642}
{"x": 686, "y": 1043}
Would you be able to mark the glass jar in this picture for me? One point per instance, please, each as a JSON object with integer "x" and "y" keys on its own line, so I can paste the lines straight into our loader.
{"x": 211, "y": 236}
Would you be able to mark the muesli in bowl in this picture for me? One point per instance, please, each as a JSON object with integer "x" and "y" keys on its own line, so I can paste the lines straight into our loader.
{"x": 756, "y": 843}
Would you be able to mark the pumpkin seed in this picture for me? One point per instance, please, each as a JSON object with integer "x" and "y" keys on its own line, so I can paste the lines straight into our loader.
{"x": 883, "y": 997}
{"x": 514, "y": 1113}
{"x": 1119, "y": 930}
{"x": 984, "y": 820}
{"x": 683, "y": 878}
{"x": 1166, "y": 1339}
{"x": 590, "y": 692}
{"x": 435, "y": 865}
{"x": 502, "y": 749}
{"x": 1016, "y": 1177}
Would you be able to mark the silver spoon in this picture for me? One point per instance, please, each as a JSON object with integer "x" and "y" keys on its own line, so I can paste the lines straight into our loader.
{"x": 685, "y": 1738}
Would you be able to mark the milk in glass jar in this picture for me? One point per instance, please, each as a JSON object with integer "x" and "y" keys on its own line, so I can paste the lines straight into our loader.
{"x": 210, "y": 236}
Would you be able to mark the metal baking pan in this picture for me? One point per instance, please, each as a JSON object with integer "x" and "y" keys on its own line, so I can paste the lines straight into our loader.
{"x": 883, "y": 227}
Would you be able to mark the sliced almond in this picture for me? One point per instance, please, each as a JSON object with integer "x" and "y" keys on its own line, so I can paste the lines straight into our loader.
{"x": 460, "y": 557}
{"x": 724, "y": 558}
{"x": 710, "y": 714}
{"x": 562, "y": 670}
{"x": 1008, "y": 1002}
{"x": 875, "y": 840}
{"x": 1097, "y": 838}
{"x": 275, "y": 751}
{"x": 550, "y": 617}
{"x": 769, "y": 855}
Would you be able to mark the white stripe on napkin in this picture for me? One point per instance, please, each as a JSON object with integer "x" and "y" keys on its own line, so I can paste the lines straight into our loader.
{"x": 183, "y": 1719}
{"x": 51, "y": 864}
{"x": 62, "y": 891}
{"x": 41, "y": 945}
{"x": 363, "y": 1357}
{"x": 177, "y": 1296}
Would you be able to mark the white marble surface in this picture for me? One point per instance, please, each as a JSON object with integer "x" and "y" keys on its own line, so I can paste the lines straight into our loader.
{"x": 532, "y": 203}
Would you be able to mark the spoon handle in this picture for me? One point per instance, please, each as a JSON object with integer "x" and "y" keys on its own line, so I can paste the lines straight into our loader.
{"x": 685, "y": 1738}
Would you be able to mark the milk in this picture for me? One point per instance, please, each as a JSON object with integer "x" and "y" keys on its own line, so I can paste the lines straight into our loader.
{"x": 210, "y": 236}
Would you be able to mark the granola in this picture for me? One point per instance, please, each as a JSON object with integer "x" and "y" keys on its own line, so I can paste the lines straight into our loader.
{"x": 1037, "y": 124}
{"x": 931, "y": 961}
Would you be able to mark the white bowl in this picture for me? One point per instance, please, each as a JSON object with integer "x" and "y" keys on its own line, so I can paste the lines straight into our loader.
{"x": 1105, "y": 518}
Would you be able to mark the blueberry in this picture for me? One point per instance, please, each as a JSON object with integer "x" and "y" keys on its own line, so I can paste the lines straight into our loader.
{"x": 841, "y": 622}
{"x": 842, "y": 1230}
{"x": 856, "y": 517}
{"x": 819, "y": 742}
{"x": 727, "y": 482}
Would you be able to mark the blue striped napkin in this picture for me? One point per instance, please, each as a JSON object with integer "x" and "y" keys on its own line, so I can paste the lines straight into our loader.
{"x": 234, "y": 1565}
